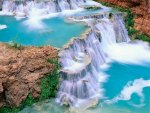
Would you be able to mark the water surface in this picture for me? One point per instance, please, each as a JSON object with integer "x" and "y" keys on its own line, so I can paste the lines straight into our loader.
{"x": 54, "y": 31}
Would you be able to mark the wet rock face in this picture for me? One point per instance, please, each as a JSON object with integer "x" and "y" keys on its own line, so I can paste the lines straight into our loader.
{"x": 21, "y": 70}
{"x": 139, "y": 7}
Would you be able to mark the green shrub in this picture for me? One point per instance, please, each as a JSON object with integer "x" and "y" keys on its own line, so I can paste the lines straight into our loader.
{"x": 28, "y": 102}
{"x": 49, "y": 85}
{"x": 50, "y": 82}
{"x": 92, "y": 8}
{"x": 143, "y": 37}
{"x": 15, "y": 45}
{"x": 131, "y": 31}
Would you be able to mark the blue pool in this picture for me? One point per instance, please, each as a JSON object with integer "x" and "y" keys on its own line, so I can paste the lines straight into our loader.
{"x": 53, "y": 31}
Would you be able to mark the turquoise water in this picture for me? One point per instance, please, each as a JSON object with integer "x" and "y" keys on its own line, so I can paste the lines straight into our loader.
{"x": 55, "y": 31}
{"x": 118, "y": 76}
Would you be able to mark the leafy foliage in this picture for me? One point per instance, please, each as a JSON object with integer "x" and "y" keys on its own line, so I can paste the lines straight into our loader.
{"x": 50, "y": 81}
{"x": 143, "y": 37}
{"x": 28, "y": 102}
{"x": 48, "y": 86}
{"x": 92, "y": 8}
{"x": 15, "y": 45}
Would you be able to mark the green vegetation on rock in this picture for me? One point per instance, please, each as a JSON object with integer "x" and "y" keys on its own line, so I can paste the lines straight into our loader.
{"x": 143, "y": 37}
{"x": 92, "y": 7}
{"x": 50, "y": 82}
{"x": 15, "y": 45}
{"x": 28, "y": 102}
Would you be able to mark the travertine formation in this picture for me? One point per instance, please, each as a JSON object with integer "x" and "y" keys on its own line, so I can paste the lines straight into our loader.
{"x": 139, "y": 7}
{"x": 21, "y": 70}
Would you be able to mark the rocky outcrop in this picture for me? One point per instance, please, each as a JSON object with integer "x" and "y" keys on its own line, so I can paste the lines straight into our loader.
{"x": 21, "y": 70}
{"x": 141, "y": 8}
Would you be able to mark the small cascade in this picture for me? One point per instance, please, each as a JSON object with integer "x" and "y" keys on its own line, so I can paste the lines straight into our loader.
{"x": 24, "y": 7}
{"x": 112, "y": 31}
{"x": 106, "y": 29}
{"x": 80, "y": 62}
{"x": 120, "y": 30}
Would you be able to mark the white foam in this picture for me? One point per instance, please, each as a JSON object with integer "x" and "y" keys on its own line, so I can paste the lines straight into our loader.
{"x": 137, "y": 105}
{"x": 129, "y": 53}
{"x": 35, "y": 19}
{"x": 5, "y": 13}
{"x": 132, "y": 87}
{"x": 34, "y": 24}
{"x": 92, "y": 3}
{"x": 37, "y": 15}
{"x": 3, "y": 27}
{"x": 76, "y": 67}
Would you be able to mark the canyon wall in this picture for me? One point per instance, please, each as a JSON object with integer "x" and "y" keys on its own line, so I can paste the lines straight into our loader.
{"x": 141, "y": 9}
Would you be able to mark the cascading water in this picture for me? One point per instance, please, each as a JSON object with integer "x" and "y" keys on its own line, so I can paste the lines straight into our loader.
{"x": 79, "y": 70}
{"x": 24, "y": 7}
{"x": 81, "y": 60}
{"x": 119, "y": 26}
{"x": 105, "y": 27}
{"x": 112, "y": 31}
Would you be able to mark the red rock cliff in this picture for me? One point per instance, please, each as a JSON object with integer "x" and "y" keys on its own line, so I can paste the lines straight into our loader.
{"x": 21, "y": 70}
{"x": 141, "y": 8}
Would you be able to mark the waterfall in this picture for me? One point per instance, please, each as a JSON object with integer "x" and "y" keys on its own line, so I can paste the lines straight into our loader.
{"x": 112, "y": 31}
{"x": 121, "y": 31}
{"x": 80, "y": 62}
{"x": 81, "y": 59}
{"x": 23, "y": 8}
{"x": 105, "y": 27}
